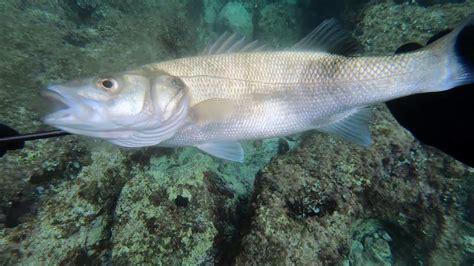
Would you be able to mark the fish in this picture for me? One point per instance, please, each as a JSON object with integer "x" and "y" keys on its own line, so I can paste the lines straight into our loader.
{"x": 237, "y": 90}
{"x": 439, "y": 119}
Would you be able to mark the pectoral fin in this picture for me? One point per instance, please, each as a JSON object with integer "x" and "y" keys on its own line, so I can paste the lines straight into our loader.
{"x": 212, "y": 110}
{"x": 352, "y": 125}
{"x": 231, "y": 150}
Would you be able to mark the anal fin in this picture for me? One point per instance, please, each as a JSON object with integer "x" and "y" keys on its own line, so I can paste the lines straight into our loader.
{"x": 352, "y": 125}
{"x": 229, "y": 150}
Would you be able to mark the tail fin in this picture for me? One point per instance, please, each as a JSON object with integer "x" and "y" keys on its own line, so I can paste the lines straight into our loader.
{"x": 464, "y": 50}
{"x": 457, "y": 49}
{"x": 456, "y": 53}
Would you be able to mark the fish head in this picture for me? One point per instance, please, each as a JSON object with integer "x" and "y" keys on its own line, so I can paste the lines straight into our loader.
{"x": 119, "y": 107}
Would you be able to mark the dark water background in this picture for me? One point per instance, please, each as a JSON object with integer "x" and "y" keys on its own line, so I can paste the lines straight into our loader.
{"x": 309, "y": 199}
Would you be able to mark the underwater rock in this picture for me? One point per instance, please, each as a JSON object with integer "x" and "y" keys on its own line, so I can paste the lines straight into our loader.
{"x": 211, "y": 10}
{"x": 370, "y": 244}
{"x": 83, "y": 9}
{"x": 406, "y": 23}
{"x": 185, "y": 208}
{"x": 234, "y": 17}
{"x": 148, "y": 206}
{"x": 72, "y": 221}
{"x": 280, "y": 24}
{"x": 427, "y": 3}
{"x": 307, "y": 200}
{"x": 151, "y": 227}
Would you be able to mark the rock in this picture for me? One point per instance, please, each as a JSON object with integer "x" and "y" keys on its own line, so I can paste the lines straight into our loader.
{"x": 306, "y": 202}
{"x": 185, "y": 209}
{"x": 280, "y": 24}
{"x": 406, "y": 23}
{"x": 72, "y": 224}
{"x": 427, "y": 3}
{"x": 151, "y": 228}
{"x": 370, "y": 244}
{"x": 468, "y": 242}
{"x": 211, "y": 10}
{"x": 234, "y": 17}
{"x": 83, "y": 8}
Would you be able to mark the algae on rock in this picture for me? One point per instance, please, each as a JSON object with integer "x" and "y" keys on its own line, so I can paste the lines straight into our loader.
{"x": 182, "y": 209}
{"x": 386, "y": 26}
{"x": 74, "y": 218}
{"x": 306, "y": 202}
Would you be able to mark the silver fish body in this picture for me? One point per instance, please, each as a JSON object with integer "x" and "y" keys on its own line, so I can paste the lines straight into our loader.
{"x": 281, "y": 93}
{"x": 212, "y": 101}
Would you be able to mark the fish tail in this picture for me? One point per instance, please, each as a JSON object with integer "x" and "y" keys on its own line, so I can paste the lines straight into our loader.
{"x": 456, "y": 50}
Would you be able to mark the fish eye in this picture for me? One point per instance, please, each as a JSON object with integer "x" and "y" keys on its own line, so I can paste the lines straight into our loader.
{"x": 107, "y": 84}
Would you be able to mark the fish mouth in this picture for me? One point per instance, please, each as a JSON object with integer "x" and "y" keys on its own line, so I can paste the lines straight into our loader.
{"x": 60, "y": 106}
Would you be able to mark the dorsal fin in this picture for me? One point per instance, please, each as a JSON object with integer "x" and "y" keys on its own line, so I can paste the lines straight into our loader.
{"x": 231, "y": 43}
{"x": 329, "y": 37}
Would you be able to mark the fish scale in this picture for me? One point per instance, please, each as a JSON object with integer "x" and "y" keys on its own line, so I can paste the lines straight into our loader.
{"x": 298, "y": 89}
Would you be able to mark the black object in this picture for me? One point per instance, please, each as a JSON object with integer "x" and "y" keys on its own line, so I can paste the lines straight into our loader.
{"x": 6, "y": 131}
{"x": 444, "y": 120}
{"x": 465, "y": 47}
{"x": 10, "y": 139}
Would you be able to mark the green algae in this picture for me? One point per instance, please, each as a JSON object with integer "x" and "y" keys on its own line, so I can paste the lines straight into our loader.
{"x": 406, "y": 23}
{"x": 153, "y": 227}
{"x": 75, "y": 216}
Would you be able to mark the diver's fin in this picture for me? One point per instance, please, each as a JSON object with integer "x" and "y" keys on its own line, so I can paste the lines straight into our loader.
{"x": 230, "y": 150}
{"x": 352, "y": 125}
{"x": 212, "y": 110}
{"x": 231, "y": 43}
{"x": 329, "y": 37}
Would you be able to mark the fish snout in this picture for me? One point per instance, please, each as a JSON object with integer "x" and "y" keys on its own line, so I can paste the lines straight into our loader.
{"x": 63, "y": 107}
{"x": 54, "y": 94}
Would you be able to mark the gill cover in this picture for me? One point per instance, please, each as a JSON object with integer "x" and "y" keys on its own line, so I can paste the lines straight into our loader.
{"x": 166, "y": 109}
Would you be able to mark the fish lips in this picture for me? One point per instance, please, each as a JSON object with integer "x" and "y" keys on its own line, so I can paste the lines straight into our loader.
{"x": 66, "y": 108}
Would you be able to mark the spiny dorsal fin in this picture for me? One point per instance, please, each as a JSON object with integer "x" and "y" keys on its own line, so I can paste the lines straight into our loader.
{"x": 232, "y": 43}
{"x": 329, "y": 37}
